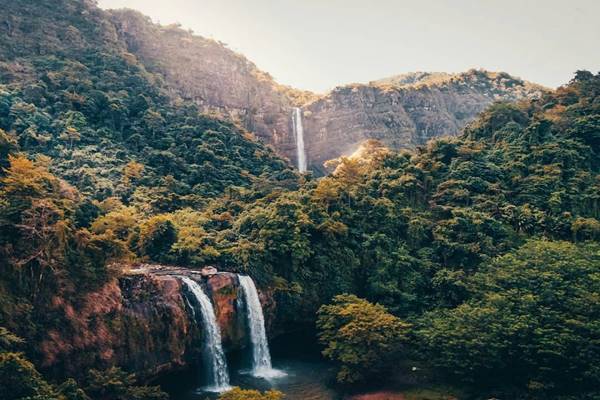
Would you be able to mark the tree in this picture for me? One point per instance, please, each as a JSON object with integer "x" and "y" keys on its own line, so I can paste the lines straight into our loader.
{"x": 25, "y": 181}
{"x": 122, "y": 222}
{"x": 132, "y": 171}
{"x": 532, "y": 322}
{"x": 240, "y": 394}
{"x": 70, "y": 135}
{"x": 20, "y": 380}
{"x": 363, "y": 338}
{"x": 45, "y": 231}
{"x": 70, "y": 390}
{"x": 9, "y": 341}
{"x": 8, "y": 145}
{"x": 116, "y": 384}
{"x": 33, "y": 214}
{"x": 397, "y": 280}
{"x": 157, "y": 235}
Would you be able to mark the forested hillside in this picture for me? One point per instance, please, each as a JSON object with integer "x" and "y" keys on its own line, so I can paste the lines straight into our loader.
{"x": 72, "y": 92}
{"x": 91, "y": 148}
{"x": 481, "y": 251}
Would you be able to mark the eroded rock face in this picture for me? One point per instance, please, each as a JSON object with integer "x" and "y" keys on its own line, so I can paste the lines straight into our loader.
{"x": 142, "y": 323}
{"x": 204, "y": 71}
{"x": 403, "y": 115}
{"x": 402, "y": 111}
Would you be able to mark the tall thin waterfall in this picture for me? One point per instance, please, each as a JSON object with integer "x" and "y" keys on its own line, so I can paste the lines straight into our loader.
{"x": 216, "y": 363}
{"x": 261, "y": 358}
{"x": 299, "y": 134}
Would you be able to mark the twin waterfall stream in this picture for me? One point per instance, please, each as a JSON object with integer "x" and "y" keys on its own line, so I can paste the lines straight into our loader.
{"x": 216, "y": 363}
{"x": 261, "y": 357}
{"x": 214, "y": 359}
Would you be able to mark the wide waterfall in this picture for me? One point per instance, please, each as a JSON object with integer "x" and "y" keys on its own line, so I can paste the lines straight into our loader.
{"x": 261, "y": 357}
{"x": 214, "y": 356}
{"x": 299, "y": 134}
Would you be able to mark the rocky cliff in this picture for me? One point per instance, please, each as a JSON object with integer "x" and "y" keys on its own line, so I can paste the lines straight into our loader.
{"x": 142, "y": 323}
{"x": 218, "y": 80}
{"x": 402, "y": 111}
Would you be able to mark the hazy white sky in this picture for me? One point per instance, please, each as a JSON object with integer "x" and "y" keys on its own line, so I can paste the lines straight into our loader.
{"x": 318, "y": 44}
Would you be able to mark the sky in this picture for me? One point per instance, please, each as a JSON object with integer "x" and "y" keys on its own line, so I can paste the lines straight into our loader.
{"x": 319, "y": 44}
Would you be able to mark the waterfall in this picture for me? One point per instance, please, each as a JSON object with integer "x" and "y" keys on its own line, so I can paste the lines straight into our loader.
{"x": 261, "y": 358}
{"x": 299, "y": 134}
{"x": 215, "y": 361}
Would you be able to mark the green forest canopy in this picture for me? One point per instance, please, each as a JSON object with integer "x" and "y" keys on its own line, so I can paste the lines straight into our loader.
{"x": 486, "y": 244}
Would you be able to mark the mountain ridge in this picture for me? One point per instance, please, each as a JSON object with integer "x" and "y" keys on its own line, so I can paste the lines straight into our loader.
{"x": 225, "y": 83}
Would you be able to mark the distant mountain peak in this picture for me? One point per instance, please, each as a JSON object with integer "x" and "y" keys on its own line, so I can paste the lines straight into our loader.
{"x": 471, "y": 76}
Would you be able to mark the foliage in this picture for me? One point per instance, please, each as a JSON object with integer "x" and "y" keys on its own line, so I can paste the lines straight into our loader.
{"x": 532, "y": 321}
{"x": 8, "y": 340}
{"x": 408, "y": 230}
{"x": 38, "y": 232}
{"x": 240, "y": 394}
{"x": 99, "y": 165}
{"x": 21, "y": 380}
{"x": 91, "y": 149}
{"x": 116, "y": 384}
{"x": 157, "y": 235}
{"x": 70, "y": 390}
{"x": 363, "y": 338}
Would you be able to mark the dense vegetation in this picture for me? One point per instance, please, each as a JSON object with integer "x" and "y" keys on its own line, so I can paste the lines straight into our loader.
{"x": 92, "y": 150}
{"x": 531, "y": 321}
{"x": 481, "y": 251}
{"x": 240, "y": 394}
{"x": 427, "y": 234}
{"x": 363, "y": 337}
{"x": 92, "y": 147}
{"x": 20, "y": 380}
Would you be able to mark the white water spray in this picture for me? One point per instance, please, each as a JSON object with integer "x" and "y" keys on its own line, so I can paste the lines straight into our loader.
{"x": 261, "y": 357}
{"x": 299, "y": 134}
{"x": 214, "y": 356}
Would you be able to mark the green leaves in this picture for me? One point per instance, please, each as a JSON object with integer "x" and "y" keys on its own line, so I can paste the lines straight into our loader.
{"x": 116, "y": 384}
{"x": 361, "y": 337}
{"x": 240, "y": 394}
{"x": 532, "y": 317}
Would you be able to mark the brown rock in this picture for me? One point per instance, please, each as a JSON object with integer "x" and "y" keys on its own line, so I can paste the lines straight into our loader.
{"x": 402, "y": 111}
{"x": 141, "y": 323}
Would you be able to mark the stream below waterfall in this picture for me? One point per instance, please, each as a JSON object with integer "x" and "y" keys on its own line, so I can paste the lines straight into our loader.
{"x": 307, "y": 375}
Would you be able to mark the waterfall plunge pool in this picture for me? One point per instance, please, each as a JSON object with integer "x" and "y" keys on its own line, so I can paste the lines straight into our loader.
{"x": 307, "y": 375}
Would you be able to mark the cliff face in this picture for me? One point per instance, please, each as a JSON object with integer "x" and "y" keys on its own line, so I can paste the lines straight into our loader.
{"x": 402, "y": 111}
{"x": 141, "y": 322}
{"x": 218, "y": 80}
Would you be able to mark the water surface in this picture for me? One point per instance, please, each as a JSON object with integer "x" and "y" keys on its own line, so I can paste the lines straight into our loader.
{"x": 306, "y": 376}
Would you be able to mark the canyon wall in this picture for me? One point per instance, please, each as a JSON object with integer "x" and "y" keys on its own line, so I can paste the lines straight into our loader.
{"x": 142, "y": 322}
{"x": 403, "y": 111}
